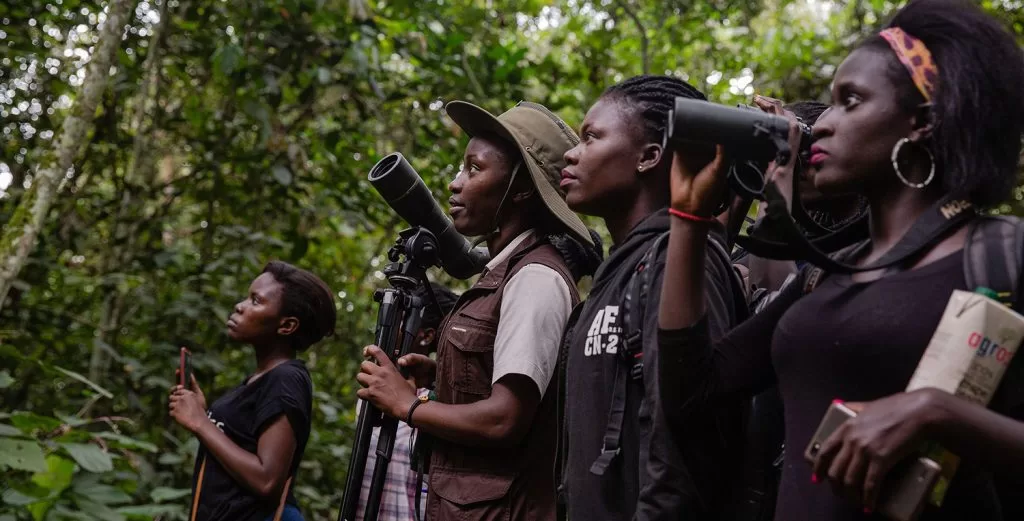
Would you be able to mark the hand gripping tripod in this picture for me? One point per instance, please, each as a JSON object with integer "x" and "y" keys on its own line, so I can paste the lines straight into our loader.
{"x": 398, "y": 320}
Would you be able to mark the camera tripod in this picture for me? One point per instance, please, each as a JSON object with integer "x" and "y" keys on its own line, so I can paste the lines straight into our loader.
{"x": 398, "y": 320}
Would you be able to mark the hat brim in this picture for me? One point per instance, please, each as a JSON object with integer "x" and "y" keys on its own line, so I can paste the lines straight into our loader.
{"x": 476, "y": 121}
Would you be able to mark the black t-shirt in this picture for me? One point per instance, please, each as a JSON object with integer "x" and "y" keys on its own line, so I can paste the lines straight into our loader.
{"x": 650, "y": 477}
{"x": 242, "y": 414}
{"x": 848, "y": 340}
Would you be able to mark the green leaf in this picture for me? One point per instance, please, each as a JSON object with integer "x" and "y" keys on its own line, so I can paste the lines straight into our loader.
{"x": 5, "y": 379}
{"x": 86, "y": 381}
{"x": 100, "y": 493}
{"x": 89, "y": 456}
{"x": 170, "y": 458}
{"x": 71, "y": 512}
{"x": 98, "y": 510}
{"x": 7, "y": 430}
{"x": 126, "y": 442}
{"x": 28, "y": 422}
{"x": 161, "y": 494}
{"x": 22, "y": 455}
{"x": 282, "y": 174}
{"x": 148, "y": 512}
{"x": 18, "y": 499}
{"x": 39, "y": 510}
{"x": 57, "y": 475}
{"x": 226, "y": 59}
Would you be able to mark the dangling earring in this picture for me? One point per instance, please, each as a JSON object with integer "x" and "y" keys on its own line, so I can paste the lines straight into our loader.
{"x": 896, "y": 165}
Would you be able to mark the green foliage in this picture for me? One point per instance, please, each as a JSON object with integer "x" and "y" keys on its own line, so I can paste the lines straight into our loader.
{"x": 56, "y": 466}
{"x": 239, "y": 132}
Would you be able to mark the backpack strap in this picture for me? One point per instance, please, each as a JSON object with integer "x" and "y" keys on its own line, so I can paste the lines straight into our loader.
{"x": 994, "y": 256}
{"x": 630, "y": 354}
{"x": 736, "y": 284}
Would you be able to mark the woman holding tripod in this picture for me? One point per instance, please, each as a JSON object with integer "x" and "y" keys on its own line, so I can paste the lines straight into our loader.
{"x": 494, "y": 417}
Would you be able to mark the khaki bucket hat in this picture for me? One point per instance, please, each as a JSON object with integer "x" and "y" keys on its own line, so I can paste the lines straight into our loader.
{"x": 542, "y": 139}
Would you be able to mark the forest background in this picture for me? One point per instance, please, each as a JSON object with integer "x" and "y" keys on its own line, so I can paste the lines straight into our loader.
{"x": 156, "y": 153}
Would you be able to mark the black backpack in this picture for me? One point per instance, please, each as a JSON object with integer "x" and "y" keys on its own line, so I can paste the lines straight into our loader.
{"x": 630, "y": 353}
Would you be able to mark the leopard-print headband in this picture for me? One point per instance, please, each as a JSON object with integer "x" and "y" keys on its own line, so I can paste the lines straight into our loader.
{"x": 917, "y": 59}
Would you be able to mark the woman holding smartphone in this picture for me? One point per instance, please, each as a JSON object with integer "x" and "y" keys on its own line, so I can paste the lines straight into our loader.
{"x": 252, "y": 438}
{"x": 910, "y": 126}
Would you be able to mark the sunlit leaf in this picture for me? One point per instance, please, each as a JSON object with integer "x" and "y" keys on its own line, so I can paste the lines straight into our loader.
{"x": 5, "y": 379}
{"x": 57, "y": 475}
{"x": 282, "y": 174}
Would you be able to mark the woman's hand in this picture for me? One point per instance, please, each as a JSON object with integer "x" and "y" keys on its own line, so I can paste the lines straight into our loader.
{"x": 697, "y": 193}
{"x": 783, "y": 175}
{"x": 861, "y": 452}
{"x": 383, "y": 385}
{"x": 421, "y": 368}
{"x": 188, "y": 408}
{"x": 194, "y": 387}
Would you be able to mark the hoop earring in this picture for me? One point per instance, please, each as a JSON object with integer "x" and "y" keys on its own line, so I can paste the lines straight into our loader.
{"x": 896, "y": 165}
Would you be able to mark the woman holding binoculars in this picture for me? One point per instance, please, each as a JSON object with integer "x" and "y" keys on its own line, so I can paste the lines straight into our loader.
{"x": 913, "y": 124}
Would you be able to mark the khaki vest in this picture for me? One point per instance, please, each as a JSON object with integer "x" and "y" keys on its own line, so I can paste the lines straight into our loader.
{"x": 491, "y": 483}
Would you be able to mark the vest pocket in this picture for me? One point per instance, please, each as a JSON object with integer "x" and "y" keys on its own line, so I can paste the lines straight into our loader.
{"x": 471, "y": 495}
{"x": 472, "y": 360}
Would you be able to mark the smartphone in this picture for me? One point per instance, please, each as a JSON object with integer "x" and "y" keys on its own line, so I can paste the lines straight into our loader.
{"x": 907, "y": 487}
{"x": 185, "y": 368}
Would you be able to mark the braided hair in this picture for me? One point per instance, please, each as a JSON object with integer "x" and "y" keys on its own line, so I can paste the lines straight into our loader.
{"x": 807, "y": 111}
{"x": 651, "y": 97}
{"x": 581, "y": 259}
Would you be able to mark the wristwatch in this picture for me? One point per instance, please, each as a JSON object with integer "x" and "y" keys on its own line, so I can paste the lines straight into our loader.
{"x": 419, "y": 400}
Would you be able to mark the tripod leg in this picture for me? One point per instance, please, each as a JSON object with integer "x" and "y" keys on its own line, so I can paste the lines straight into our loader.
{"x": 389, "y": 426}
{"x": 368, "y": 415}
{"x": 385, "y": 448}
{"x": 391, "y": 305}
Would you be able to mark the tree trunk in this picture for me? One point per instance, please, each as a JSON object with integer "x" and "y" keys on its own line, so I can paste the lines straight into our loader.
{"x": 138, "y": 182}
{"x": 22, "y": 232}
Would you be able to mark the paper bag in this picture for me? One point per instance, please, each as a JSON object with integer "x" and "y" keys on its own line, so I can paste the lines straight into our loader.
{"x": 967, "y": 356}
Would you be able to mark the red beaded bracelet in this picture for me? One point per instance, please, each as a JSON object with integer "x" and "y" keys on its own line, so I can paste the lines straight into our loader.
{"x": 690, "y": 216}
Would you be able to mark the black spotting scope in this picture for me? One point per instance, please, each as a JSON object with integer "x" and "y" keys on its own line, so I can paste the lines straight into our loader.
{"x": 401, "y": 187}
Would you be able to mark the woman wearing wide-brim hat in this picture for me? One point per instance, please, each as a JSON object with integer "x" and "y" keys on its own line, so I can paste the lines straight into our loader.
{"x": 493, "y": 419}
